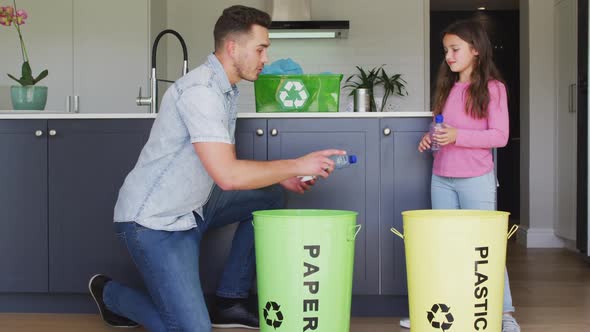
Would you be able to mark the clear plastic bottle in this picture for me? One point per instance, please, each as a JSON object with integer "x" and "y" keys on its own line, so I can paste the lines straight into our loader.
{"x": 438, "y": 124}
{"x": 340, "y": 161}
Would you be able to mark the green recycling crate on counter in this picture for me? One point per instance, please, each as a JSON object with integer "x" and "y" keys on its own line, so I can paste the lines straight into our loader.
{"x": 297, "y": 93}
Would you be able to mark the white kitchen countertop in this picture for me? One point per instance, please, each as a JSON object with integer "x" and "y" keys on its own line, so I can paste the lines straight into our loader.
{"x": 336, "y": 115}
{"x": 15, "y": 115}
{"x": 8, "y": 114}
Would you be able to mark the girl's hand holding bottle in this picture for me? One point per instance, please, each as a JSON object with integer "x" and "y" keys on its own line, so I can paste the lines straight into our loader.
{"x": 424, "y": 143}
{"x": 446, "y": 135}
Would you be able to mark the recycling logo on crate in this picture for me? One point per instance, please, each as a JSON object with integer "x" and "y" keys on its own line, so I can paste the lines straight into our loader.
{"x": 292, "y": 95}
{"x": 272, "y": 314}
{"x": 440, "y": 317}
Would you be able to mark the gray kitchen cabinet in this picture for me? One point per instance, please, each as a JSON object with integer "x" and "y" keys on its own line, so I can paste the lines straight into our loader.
{"x": 352, "y": 188}
{"x": 59, "y": 191}
{"x": 251, "y": 140}
{"x": 88, "y": 162}
{"x": 405, "y": 185}
{"x": 60, "y": 182}
{"x": 23, "y": 216}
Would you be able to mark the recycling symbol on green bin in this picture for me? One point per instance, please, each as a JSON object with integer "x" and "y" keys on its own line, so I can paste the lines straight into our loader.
{"x": 292, "y": 94}
{"x": 440, "y": 320}
{"x": 272, "y": 314}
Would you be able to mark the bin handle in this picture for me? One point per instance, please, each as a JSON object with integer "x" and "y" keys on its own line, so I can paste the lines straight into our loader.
{"x": 512, "y": 230}
{"x": 396, "y": 232}
{"x": 357, "y": 229}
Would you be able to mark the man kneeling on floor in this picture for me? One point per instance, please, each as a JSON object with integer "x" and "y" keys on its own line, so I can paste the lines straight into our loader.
{"x": 188, "y": 180}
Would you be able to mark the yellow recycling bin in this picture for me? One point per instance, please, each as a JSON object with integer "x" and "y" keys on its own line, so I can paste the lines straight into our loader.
{"x": 455, "y": 262}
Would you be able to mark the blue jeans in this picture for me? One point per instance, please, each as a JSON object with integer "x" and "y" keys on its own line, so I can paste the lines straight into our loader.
{"x": 169, "y": 263}
{"x": 476, "y": 193}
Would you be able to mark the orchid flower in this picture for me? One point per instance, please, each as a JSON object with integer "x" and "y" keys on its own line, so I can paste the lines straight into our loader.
{"x": 20, "y": 17}
{"x": 9, "y": 10}
{"x": 8, "y": 15}
{"x": 5, "y": 20}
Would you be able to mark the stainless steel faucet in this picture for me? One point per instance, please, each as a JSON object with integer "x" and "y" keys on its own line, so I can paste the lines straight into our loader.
{"x": 152, "y": 100}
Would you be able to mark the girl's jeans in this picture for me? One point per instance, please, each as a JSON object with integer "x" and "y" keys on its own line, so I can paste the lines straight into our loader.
{"x": 475, "y": 193}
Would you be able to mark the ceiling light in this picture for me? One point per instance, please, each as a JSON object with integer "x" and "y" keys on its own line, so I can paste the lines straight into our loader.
{"x": 481, "y": 8}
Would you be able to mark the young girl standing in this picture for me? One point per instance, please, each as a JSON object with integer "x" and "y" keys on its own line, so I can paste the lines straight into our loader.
{"x": 472, "y": 99}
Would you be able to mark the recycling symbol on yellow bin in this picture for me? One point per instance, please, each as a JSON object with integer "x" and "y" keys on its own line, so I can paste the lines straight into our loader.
{"x": 292, "y": 94}
{"x": 440, "y": 316}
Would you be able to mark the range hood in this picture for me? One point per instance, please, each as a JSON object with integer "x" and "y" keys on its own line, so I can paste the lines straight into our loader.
{"x": 292, "y": 19}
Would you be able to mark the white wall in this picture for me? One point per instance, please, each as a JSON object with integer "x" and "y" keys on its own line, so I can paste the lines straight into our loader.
{"x": 49, "y": 44}
{"x": 536, "y": 124}
{"x": 158, "y": 23}
{"x": 85, "y": 54}
{"x": 390, "y": 32}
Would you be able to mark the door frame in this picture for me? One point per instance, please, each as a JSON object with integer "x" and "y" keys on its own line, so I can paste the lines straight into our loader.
{"x": 582, "y": 149}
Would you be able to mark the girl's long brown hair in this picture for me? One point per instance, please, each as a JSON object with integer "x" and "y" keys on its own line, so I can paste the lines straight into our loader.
{"x": 484, "y": 70}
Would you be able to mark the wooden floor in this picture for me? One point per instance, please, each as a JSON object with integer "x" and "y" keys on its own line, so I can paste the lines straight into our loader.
{"x": 551, "y": 290}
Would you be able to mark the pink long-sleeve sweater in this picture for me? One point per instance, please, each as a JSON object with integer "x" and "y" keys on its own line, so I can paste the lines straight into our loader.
{"x": 471, "y": 155}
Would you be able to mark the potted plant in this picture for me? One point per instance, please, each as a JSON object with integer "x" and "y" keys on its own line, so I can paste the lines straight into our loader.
{"x": 364, "y": 80}
{"x": 374, "y": 78}
{"x": 392, "y": 85}
{"x": 27, "y": 95}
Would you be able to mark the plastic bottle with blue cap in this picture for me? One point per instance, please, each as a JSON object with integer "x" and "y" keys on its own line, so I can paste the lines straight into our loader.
{"x": 438, "y": 124}
{"x": 340, "y": 161}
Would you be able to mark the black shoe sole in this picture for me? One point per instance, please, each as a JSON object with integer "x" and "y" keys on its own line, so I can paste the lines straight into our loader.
{"x": 234, "y": 326}
{"x": 100, "y": 307}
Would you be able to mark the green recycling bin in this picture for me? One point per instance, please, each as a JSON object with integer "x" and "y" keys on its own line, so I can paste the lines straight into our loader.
{"x": 304, "y": 266}
{"x": 297, "y": 93}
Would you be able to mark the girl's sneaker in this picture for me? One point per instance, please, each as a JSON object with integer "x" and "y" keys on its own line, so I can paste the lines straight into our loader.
{"x": 509, "y": 324}
{"x": 405, "y": 322}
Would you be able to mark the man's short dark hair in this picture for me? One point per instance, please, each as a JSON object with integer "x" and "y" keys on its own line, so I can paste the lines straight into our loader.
{"x": 238, "y": 19}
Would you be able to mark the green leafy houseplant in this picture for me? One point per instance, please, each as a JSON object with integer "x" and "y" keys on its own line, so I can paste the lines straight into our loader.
{"x": 364, "y": 80}
{"x": 11, "y": 16}
{"x": 373, "y": 78}
{"x": 392, "y": 85}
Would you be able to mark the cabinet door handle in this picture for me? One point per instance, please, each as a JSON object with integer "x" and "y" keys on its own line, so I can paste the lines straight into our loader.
{"x": 569, "y": 98}
{"x": 259, "y": 132}
{"x": 68, "y": 103}
{"x": 39, "y": 133}
{"x": 76, "y": 104}
{"x": 573, "y": 98}
{"x": 274, "y": 132}
{"x": 52, "y": 132}
{"x": 386, "y": 131}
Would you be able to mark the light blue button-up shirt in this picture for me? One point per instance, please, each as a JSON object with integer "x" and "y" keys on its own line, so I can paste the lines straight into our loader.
{"x": 169, "y": 181}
